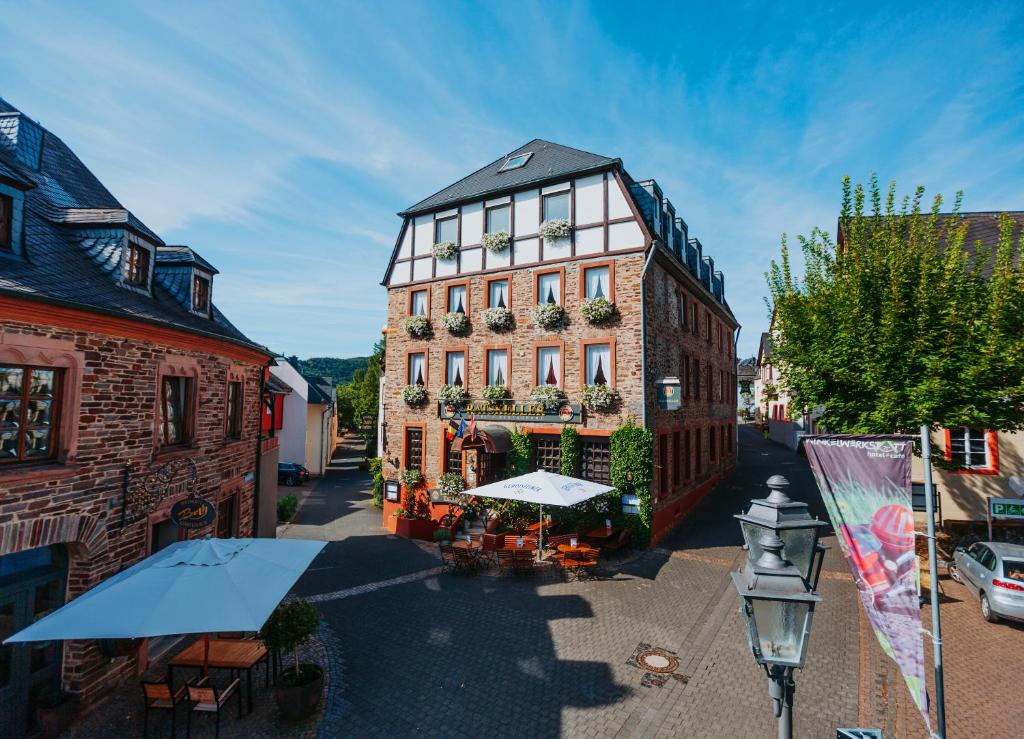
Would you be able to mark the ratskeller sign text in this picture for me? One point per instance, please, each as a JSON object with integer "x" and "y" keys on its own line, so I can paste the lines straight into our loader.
{"x": 510, "y": 410}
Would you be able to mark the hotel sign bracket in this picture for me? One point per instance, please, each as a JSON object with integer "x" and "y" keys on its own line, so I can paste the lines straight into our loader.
{"x": 175, "y": 479}
{"x": 511, "y": 410}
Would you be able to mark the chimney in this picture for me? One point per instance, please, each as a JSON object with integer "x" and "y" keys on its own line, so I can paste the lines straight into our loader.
{"x": 23, "y": 138}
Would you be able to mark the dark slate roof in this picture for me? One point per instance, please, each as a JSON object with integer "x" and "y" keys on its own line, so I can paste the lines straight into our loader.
{"x": 179, "y": 254}
{"x": 765, "y": 348}
{"x": 10, "y": 169}
{"x": 78, "y": 263}
{"x": 549, "y": 161}
{"x": 320, "y": 393}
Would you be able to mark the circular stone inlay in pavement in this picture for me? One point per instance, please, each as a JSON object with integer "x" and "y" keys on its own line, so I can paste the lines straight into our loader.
{"x": 657, "y": 661}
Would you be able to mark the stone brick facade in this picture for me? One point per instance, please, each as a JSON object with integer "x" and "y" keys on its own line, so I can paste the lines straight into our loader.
{"x": 108, "y": 438}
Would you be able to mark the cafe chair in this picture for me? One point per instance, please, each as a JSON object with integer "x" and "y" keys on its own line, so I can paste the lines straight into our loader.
{"x": 207, "y": 698}
{"x": 465, "y": 561}
{"x": 489, "y": 547}
{"x": 620, "y": 542}
{"x": 448, "y": 562}
{"x": 160, "y": 696}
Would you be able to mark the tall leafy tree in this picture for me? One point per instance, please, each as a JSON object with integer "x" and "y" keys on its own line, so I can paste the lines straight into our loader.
{"x": 898, "y": 323}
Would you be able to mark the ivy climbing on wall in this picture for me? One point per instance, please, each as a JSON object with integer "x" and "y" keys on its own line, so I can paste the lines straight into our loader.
{"x": 632, "y": 471}
{"x": 570, "y": 451}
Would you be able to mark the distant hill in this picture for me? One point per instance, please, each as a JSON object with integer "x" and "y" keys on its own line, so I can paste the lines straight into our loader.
{"x": 339, "y": 370}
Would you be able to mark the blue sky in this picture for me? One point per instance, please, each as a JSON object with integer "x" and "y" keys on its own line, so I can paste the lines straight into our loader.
{"x": 280, "y": 139}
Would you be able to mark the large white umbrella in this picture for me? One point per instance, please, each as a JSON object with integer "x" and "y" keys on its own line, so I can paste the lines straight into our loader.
{"x": 543, "y": 488}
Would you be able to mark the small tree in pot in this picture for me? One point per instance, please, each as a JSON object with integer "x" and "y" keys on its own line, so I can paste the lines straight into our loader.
{"x": 290, "y": 626}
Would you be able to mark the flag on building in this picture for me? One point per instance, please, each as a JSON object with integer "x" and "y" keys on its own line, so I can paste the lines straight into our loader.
{"x": 462, "y": 427}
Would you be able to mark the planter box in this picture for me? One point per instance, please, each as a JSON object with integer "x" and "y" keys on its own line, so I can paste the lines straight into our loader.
{"x": 415, "y": 528}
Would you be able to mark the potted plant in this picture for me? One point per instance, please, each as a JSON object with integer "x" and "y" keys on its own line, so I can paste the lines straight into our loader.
{"x": 444, "y": 251}
{"x": 499, "y": 319}
{"x": 496, "y": 242}
{"x": 452, "y": 394}
{"x": 414, "y": 395}
{"x": 597, "y": 310}
{"x": 54, "y": 711}
{"x": 599, "y": 397}
{"x": 442, "y": 535}
{"x": 550, "y": 396}
{"x": 494, "y": 393}
{"x": 555, "y": 228}
{"x": 299, "y": 687}
{"x": 455, "y": 323}
{"x": 412, "y": 479}
{"x": 417, "y": 326}
{"x": 549, "y": 315}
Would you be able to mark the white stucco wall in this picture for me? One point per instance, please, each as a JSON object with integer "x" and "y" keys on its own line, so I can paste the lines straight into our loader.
{"x": 293, "y": 429}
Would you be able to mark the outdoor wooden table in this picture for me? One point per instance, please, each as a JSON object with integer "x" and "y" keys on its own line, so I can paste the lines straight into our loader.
{"x": 224, "y": 654}
{"x": 578, "y": 548}
{"x": 463, "y": 544}
{"x": 602, "y": 532}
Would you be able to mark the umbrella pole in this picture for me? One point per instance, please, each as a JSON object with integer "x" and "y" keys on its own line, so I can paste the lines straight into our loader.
{"x": 540, "y": 534}
{"x": 206, "y": 654}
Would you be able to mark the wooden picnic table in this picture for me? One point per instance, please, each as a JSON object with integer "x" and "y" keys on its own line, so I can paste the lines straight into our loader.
{"x": 578, "y": 548}
{"x": 602, "y": 532}
{"x": 463, "y": 544}
{"x": 224, "y": 654}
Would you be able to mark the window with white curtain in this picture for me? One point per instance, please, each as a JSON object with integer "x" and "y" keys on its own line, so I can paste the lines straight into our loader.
{"x": 418, "y": 304}
{"x": 599, "y": 364}
{"x": 497, "y": 294}
{"x": 497, "y": 367}
{"x": 549, "y": 288}
{"x": 457, "y": 299}
{"x": 417, "y": 369}
{"x": 597, "y": 282}
{"x": 455, "y": 372}
{"x": 549, "y": 366}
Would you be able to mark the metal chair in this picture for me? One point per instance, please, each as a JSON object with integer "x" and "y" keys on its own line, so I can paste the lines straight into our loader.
{"x": 448, "y": 562}
{"x": 465, "y": 560}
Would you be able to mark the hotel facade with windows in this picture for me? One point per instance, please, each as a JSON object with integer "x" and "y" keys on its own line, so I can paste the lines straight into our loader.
{"x": 114, "y": 364}
{"x": 499, "y": 289}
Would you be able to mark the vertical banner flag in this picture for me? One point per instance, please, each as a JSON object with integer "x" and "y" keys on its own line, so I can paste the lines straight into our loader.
{"x": 865, "y": 483}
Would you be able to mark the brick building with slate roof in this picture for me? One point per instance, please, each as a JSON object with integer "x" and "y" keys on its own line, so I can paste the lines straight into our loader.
{"x": 114, "y": 363}
{"x": 667, "y": 351}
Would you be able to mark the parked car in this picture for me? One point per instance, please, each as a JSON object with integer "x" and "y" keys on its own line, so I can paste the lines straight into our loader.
{"x": 994, "y": 572}
{"x": 291, "y": 474}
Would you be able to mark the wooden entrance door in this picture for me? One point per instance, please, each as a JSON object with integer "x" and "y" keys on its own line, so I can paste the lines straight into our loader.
{"x": 32, "y": 586}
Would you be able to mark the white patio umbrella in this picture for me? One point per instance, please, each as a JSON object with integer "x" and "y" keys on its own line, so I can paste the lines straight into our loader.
{"x": 191, "y": 587}
{"x": 542, "y": 488}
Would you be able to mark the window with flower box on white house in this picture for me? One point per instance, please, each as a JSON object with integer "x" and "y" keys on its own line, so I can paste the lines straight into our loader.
{"x": 499, "y": 219}
{"x": 446, "y": 230}
{"x": 556, "y": 205}
{"x": 418, "y": 303}
{"x": 549, "y": 366}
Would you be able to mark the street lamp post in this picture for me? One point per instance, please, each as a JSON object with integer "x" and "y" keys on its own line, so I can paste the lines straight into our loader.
{"x": 776, "y": 587}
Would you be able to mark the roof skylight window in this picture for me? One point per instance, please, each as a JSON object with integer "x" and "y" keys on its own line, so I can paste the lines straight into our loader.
{"x": 519, "y": 160}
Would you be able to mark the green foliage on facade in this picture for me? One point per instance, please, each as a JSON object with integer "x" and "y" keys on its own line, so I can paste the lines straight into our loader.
{"x": 570, "y": 451}
{"x": 521, "y": 453}
{"x": 358, "y": 399}
{"x": 632, "y": 471}
{"x": 900, "y": 325}
{"x": 377, "y": 473}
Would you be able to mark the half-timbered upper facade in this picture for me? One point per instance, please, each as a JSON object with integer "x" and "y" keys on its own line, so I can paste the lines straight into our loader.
{"x": 547, "y": 224}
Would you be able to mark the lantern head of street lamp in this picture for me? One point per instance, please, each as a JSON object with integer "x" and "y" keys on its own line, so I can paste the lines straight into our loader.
{"x": 776, "y": 604}
{"x": 789, "y": 521}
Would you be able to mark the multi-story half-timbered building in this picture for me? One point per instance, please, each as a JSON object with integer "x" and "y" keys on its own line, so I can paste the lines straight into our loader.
{"x": 546, "y": 232}
{"x": 114, "y": 364}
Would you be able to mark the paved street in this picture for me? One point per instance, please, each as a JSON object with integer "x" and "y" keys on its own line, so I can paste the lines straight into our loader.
{"x": 452, "y": 656}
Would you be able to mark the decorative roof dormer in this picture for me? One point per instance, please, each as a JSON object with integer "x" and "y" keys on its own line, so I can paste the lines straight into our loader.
{"x": 22, "y": 137}
{"x": 187, "y": 276}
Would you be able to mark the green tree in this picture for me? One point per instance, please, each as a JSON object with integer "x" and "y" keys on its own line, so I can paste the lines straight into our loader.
{"x": 897, "y": 324}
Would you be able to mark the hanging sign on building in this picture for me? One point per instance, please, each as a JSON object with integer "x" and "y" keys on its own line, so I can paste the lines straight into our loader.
{"x": 193, "y": 513}
{"x": 670, "y": 394}
{"x": 511, "y": 410}
{"x": 1012, "y": 508}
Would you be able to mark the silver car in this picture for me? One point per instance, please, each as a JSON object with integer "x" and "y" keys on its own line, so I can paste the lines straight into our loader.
{"x": 994, "y": 572}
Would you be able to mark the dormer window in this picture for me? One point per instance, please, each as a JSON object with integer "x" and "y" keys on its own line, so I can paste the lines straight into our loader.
{"x": 201, "y": 294}
{"x": 516, "y": 162}
{"x": 136, "y": 268}
{"x": 6, "y": 222}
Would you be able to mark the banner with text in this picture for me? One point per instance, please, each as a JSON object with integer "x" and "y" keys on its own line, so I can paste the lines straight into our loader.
{"x": 865, "y": 483}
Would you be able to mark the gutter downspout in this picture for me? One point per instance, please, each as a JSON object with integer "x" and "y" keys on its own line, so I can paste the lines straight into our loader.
{"x": 259, "y": 448}
{"x": 643, "y": 332}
